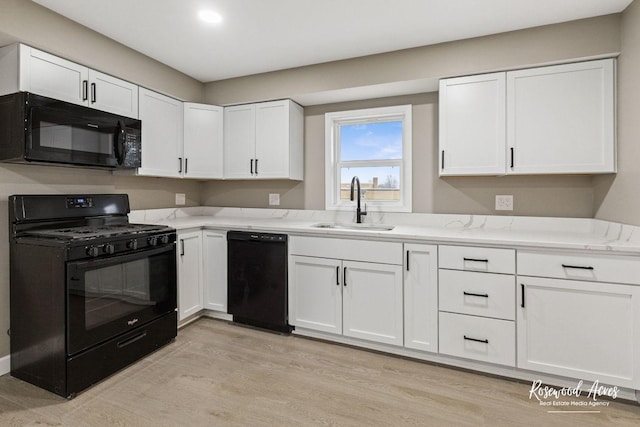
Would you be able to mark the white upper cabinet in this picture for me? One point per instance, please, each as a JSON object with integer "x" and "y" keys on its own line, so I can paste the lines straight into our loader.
{"x": 239, "y": 141}
{"x": 548, "y": 120}
{"x": 264, "y": 141}
{"x": 203, "y": 140}
{"x": 110, "y": 94}
{"x": 162, "y": 135}
{"x": 24, "y": 68}
{"x": 560, "y": 119}
{"x": 472, "y": 125}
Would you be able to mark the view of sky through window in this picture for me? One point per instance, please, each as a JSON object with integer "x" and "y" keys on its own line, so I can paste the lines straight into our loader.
{"x": 371, "y": 141}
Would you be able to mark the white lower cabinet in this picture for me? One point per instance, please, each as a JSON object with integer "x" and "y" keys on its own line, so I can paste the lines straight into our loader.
{"x": 353, "y": 298}
{"x": 476, "y": 294}
{"x": 202, "y": 272}
{"x": 214, "y": 270}
{"x": 421, "y": 297}
{"x": 580, "y": 329}
{"x": 189, "y": 253}
{"x": 315, "y": 293}
{"x": 372, "y": 302}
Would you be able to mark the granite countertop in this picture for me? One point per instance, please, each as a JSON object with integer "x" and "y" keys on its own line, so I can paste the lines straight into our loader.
{"x": 508, "y": 231}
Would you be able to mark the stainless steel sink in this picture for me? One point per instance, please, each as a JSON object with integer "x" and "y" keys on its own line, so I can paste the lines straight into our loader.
{"x": 363, "y": 227}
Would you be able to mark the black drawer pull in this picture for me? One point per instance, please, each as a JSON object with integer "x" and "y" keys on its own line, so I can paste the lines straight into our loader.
{"x": 580, "y": 267}
{"x": 471, "y": 294}
{"x": 132, "y": 340}
{"x": 338, "y": 275}
{"x": 344, "y": 277}
{"x": 485, "y": 341}
{"x": 522, "y": 303}
{"x": 475, "y": 259}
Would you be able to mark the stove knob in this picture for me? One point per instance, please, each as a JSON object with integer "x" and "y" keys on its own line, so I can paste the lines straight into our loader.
{"x": 132, "y": 244}
{"x": 92, "y": 251}
{"x": 109, "y": 248}
{"x": 153, "y": 240}
{"x": 164, "y": 239}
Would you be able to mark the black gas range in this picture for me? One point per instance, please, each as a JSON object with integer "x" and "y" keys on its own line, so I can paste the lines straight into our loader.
{"x": 90, "y": 292}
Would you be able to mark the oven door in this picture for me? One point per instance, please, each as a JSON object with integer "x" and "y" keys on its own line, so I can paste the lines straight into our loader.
{"x": 110, "y": 296}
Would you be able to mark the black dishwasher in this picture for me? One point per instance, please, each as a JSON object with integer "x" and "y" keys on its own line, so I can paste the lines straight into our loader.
{"x": 257, "y": 279}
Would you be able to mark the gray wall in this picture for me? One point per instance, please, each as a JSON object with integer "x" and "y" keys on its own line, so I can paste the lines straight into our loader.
{"x": 533, "y": 195}
{"x": 24, "y": 21}
{"x": 617, "y": 198}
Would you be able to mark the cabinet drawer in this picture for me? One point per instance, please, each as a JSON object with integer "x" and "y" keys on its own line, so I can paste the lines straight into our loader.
{"x": 354, "y": 250}
{"x": 479, "y": 294}
{"x": 599, "y": 268}
{"x": 479, "y": 338}
{"x": 478, "y": 259}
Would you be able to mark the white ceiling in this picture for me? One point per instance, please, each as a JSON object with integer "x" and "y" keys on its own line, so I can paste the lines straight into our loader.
{"x": 258, "y": 36}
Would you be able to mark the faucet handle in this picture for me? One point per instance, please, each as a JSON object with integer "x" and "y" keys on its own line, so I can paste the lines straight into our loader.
{"x": 365, "y": 210}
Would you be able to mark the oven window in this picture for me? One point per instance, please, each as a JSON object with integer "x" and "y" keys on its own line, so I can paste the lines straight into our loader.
{"x": 116, "y": 291}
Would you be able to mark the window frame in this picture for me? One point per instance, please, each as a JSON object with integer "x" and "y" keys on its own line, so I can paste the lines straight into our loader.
{"x": 333, "y": 121}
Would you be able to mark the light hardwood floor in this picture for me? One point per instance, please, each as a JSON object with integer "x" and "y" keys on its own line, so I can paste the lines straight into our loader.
{"x": 217, "y": 373}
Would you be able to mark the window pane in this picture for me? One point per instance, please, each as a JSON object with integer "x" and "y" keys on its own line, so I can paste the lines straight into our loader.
{"x": 371, "y": 141}
{"x": 376, "y": 183}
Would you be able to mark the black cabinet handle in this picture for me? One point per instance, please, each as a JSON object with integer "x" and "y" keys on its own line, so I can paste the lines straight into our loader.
{"x": 338, "y": 275}
{"x": 475, "y": 259}
{"x": 251, "y": 166}
{"x": 256, "y": 166}
{"x": 442, "y": 160}
{"x": 522, "y": 288}
{"x": 580, "y": 267}
{"x": 485, "y": 341}
{"x": 511, "y": 157}
{"x": 407, "y": 260}
{"x": 344, "y": 277}
{"x": 179, "y": 164}
{"x": 186, "y": 165}
{"x": 85, "y": 89}
{"x": 181, "y": 247}
{"x": 93, "y": 93}
{"x": 475, "y": 295}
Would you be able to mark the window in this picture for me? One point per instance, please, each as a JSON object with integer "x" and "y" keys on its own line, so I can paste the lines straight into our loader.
{"x": 374, "y": 145}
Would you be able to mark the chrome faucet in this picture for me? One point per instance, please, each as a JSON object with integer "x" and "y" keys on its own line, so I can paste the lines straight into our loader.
{"x": 359, "y": 213}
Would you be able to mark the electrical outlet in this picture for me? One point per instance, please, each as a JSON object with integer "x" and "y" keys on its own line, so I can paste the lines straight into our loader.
{"x": 181, "y": 199}
{"x": 504, "y": 202}
{"x": 274, "y": 199}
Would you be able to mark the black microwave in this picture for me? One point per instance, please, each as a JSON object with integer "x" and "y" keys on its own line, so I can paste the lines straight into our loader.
{"x": 38, "y": 129}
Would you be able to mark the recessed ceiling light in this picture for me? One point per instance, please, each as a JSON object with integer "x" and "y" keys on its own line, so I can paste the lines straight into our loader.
{"x": 210, "y": 16}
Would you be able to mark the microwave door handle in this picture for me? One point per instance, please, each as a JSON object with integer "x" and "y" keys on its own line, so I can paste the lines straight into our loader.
{"x": 119, "y": 146}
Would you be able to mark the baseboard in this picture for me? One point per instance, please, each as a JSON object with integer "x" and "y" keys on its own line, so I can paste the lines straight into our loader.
{"x": 5, "y": 364}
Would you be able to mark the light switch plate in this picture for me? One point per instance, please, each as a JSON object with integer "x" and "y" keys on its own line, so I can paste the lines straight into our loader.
{"x": 504, "y": 202}
{"x": 274, "y": 199}
{"x": 181, "y": 199}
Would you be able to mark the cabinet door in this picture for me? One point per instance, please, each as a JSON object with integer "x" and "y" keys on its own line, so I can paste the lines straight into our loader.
{"x": 202, "y": 141}
{"x": 472, "y": 125}
{"x": 372, "y": 302}
{"x": 315, "y": 293}
{"x": 189, "y": 274}
{"x": 561, "y": 118}
{"x": 162, "y": 135}
{"x": 214, "y": 270}
{"x": 48, "y": 75}
{"x": 110, "y": 94}
{"x": 421, "y": 297}
{"x": 579, "y": 329}
{"x": 239, "y": 141}
{"x": 272, "y": 140}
